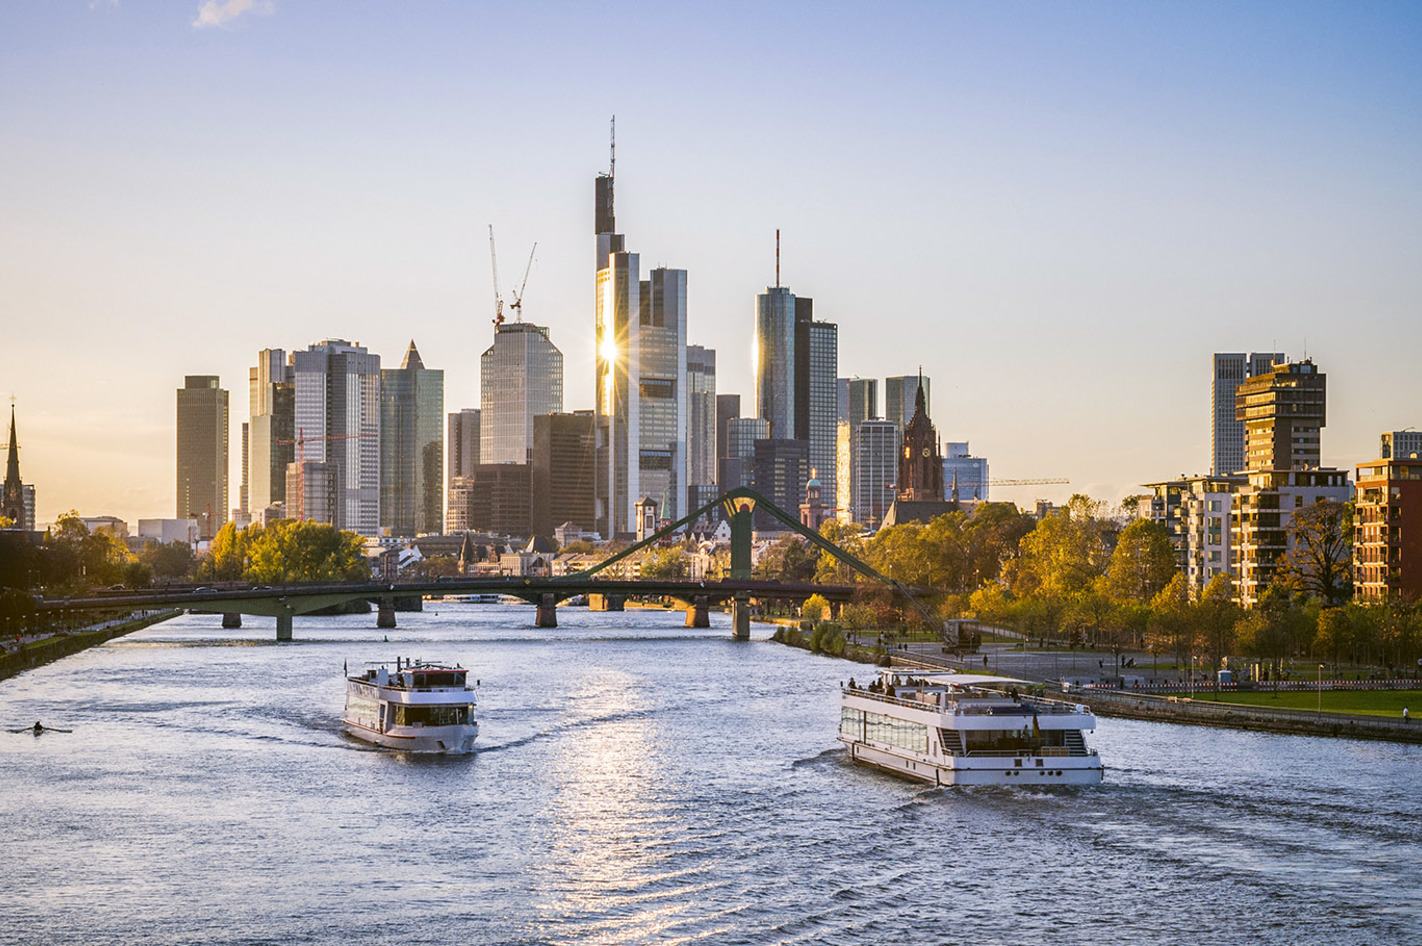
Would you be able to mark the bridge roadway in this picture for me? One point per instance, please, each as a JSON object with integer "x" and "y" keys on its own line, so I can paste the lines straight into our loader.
{"x": 286, "y": 601}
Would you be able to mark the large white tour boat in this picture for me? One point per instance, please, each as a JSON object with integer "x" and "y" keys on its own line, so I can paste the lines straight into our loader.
{"x": 950, "y": 729}
{"x": 417, "y": 707}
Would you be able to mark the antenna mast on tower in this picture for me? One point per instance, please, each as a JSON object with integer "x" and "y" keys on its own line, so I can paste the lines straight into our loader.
{"x": 777, "y": 257}
{"x": 612, "y": 165}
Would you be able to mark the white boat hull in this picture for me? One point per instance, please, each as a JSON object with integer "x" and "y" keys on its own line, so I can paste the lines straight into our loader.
{"x": 1024, "y": 771}
{"x": 452, "y": 740}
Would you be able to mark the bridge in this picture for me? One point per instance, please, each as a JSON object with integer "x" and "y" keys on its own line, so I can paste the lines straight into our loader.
{"x": 285, "y": 602}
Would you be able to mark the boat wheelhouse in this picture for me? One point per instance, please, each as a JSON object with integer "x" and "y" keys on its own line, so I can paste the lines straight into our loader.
{"x": 960, "y": 729}
{"x": 417, "y": 707}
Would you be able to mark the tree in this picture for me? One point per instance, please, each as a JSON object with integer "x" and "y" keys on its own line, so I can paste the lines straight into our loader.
{"x": 1275, "y": 628}
{"x": 1065, "y": 554}
{"x": 227, "y": 553}
{"x": 1319, "y": 562}
{"x": 1171, "y": 627}
{"x": 788, "y": 559}
{"x": 1142, "y": 564}
{"x": 81, "y": 558}
{"x": 815, "y": 608}
{"x": 1215, "y": 616}
{"x": 665, "y": 563}
{"x": 292, "y": 551}
{"x": 171, "y": 560}
{"x": 848, "y": 536}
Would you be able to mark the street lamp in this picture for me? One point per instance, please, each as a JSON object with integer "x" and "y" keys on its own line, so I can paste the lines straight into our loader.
{"x": 1320, "y": 689}
{"x": 1192, "y": 676}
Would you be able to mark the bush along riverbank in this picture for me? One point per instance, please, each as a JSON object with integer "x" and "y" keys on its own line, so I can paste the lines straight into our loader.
{"x": 827, "y": 638}
{"x": 51, "y": 649}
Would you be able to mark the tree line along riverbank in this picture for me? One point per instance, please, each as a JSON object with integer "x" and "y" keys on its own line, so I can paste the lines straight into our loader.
{"x": 38, "y": 653}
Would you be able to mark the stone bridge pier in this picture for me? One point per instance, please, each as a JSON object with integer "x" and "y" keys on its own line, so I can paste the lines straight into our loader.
{"x": 386, "y": 617}
{"x": 740, "y": 616}
{"x": 698, "y": 612}
{"x": 547, "y": 611}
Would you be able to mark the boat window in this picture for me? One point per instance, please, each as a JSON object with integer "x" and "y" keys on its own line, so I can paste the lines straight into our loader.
{"x": 431, "y": 715}
{"x": 895, "y": 732}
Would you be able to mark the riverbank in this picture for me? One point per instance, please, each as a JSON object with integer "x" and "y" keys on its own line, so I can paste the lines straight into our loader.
{"x": 51, "y": 649}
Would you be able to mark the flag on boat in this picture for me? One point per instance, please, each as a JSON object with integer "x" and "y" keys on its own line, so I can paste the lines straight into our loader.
{"x": 1036, "y": 729}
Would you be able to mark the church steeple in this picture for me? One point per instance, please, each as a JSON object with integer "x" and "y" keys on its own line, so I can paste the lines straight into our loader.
{"x": 920, "y": 463}
{"x": 12, "y": 497}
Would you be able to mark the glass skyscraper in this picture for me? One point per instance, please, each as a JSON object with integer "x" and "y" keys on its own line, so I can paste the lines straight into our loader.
{"x": 202, "y": 453}
{"x": 520, "y": 375}
{"x": 412, "y": 447}
{"x": 701, "y": 454}
{"x": 899, "y": 396}
{"x": 338, "y": 424}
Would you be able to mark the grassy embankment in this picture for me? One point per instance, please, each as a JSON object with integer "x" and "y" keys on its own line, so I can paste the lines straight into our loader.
{"x": 1361, "y": 702}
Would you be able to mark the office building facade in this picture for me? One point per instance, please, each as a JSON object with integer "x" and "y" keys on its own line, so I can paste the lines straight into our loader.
{"x": 965, "y": 473}
{"x": 412, "y": 447}
{"x": 1401, "y": 445}
{"x": 1230, "y": 370}
{"x": 337, "y": 419}
{"x": 701, "y": 426}
{"x": 202, "y": 453}
{"x": 562, "y": 471}
{"x": 521, "y": 375}
{"x": 271, "y": 432}
{"x": 874, "y": 471}
{"x": 900, "y": 395}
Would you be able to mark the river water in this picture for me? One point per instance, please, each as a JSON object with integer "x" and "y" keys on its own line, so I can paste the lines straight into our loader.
{"x": 641, "y": 782}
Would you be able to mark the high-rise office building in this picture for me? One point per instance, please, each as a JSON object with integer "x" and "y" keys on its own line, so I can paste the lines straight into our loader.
{"x": 1401, "y": 445}
{"x": 858, "y": 400}
{"x": 701, "y": 430}
{"x": 967, "y": 472}
{"x": 244, "y": 489}
{"x": 462, "y": 441}
{"x": 796, "y": 367}
{"x": 900, "y": 394}
{"x": 202, "y": 453}
{"x": 17, "y": 502}
{"x": 661, "y": 372}
{"x": 495, "y": 498}
{"x": 728, "y": 407}
{"x": 271, "y": 429}
{"x": 874, "y": 471}
{"x": 337, "y": 413}
{"x": 781, "y": 469}
{"x": 737, "y": 466}
{"x": 1230, "y": 370}
{"x": 775, "y": 360}
{"x": 562, "y": 472}
{"x": 412, "y": 447}
{"x": 640, "y": 399}
{"x": 521, "y": 375}
{"x": 462, "y": 447}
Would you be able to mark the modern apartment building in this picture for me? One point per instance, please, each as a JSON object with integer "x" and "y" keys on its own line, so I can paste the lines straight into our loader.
{"x": 337, "y": 386}
{"x": 1387, "y": 530}
{"x": 520, "y": 376}
{"x": 1231, "y": 369}
{"x": 202, "y": 453}
{"x": 412, "y": 447}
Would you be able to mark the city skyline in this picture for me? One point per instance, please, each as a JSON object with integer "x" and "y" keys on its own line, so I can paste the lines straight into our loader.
{"x": 1042, "y": 200}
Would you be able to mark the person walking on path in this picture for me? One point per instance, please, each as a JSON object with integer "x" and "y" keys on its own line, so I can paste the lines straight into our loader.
{"x": 1405, "y": 717}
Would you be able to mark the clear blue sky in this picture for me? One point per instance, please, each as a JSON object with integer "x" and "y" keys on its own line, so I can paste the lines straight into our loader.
{"x": 1058, "y": 210}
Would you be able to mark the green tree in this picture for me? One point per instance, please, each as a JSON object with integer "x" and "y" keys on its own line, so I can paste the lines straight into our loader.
{"x": 1215, "y": 617}
{"x": 1319, "y": 562}
{"x": 1171, "y": 627}
{"x": 227, "y": 553}
{"x": 168, "y": 560}
{"x": 1065, "y": 554}
{"x": 667, "y": 563}
{"x": 787, "y": 559}
{"x": 815, "y": 608}
{"x": 290, "y": 550}
{"x": 1142, "y": 563}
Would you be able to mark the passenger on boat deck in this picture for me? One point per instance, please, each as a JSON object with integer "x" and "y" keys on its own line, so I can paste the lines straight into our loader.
{"x": 851, "y": 684}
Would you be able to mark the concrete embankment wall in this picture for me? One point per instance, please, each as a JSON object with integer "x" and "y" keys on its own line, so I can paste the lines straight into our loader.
{"x": 63, "y": 645}
{"x": 1209, "y": 713}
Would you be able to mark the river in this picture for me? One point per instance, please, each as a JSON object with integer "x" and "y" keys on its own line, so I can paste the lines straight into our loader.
{"x": 642, "y": 782}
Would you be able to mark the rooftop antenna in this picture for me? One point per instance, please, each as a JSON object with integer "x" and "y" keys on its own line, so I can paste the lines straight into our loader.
{"x": 612, "y": 164}
{"x": 777, "y": 257}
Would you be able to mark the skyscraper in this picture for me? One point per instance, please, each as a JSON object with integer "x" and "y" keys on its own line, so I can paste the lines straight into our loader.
{"x": 412, "y": 447}
{"x": 873, "y": 471}
{"x": 968, "y": 472}
{"x": 337, "y": 413}
{"x": 640, "y": 400}
{"x": 520, "y": 375}
{"x": 858, "y": 400}
{"x": 1231, "y": 369}
{"x": 562, "y": 472}
{"x": 701, "y": 431}
{"x": 271, "y": 429}
{"x": 202, "y": 453}
{"x": 900, "y": 394}
{"x": 775, "y": 360}
{"x": 820, "y": 395}
{"x": 1283, "y": 412}
{"x": 462, "y": 446}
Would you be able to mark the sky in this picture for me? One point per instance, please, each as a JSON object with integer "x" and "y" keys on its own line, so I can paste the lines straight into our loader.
{"x": 1056, "y": 211}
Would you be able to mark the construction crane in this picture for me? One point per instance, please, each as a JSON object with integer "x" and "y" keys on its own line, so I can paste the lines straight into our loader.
{"x": 1039, "y": 481}
{"x": 516, "y": 306}
{"x": 498, "y": 299}
{"x": 301, "y": 440}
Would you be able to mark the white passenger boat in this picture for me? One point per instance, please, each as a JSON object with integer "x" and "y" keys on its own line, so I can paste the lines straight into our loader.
{"x": 417, "y": 707}
{"x": 951, "y": 729}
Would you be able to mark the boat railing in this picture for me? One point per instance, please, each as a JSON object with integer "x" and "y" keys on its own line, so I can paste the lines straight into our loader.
{"x": 1047, "y": 752}
{"x": 963, "y": 705}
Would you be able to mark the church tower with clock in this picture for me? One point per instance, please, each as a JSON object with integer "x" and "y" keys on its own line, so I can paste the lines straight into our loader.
{"x": 920, "y": 463}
